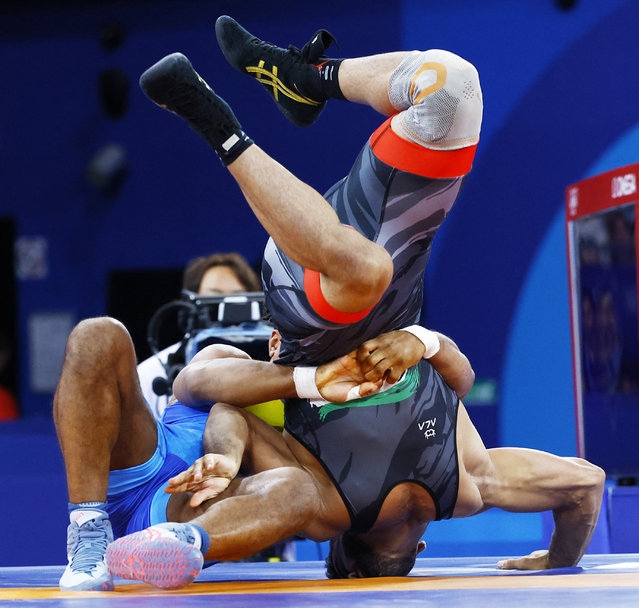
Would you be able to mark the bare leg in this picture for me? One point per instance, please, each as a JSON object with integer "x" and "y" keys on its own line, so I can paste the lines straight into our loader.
{"x": 258, "y": 511}
{"x": 365, "y": 80}
{"x": 354, "y": 271}
{"x": 102, "y": 423}
{"x": 252, "y": 514}
{"x": 100, "y": 415}
{"x": 275, "y": 500}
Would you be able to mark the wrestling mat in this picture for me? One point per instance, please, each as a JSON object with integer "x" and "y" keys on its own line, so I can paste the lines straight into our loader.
{"x": 600, "y": 580}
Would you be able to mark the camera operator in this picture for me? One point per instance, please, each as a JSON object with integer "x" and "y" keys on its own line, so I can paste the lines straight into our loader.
{"x": 213, "y": 275}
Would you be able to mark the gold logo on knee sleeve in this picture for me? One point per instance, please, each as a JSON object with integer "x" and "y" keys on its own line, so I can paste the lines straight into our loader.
{"x": 440, "y": 81}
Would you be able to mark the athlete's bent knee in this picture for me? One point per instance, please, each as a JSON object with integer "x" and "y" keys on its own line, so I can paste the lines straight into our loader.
{"x": 97, "y": 325}
{"x": 97, "y": 336}
{"x": 439, "y": 98}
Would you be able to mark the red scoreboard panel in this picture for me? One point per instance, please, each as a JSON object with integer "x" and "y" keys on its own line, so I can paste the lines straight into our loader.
{"x": 602, "y": 244}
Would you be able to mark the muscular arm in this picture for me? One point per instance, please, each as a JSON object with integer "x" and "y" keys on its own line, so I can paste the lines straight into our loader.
{"x": 241, "y": 382}
{"x": 221, "y": 373}
{"x": 225, "y": 440}
{"x": 532, "y": 481}
{"x": 244, "y": 382}
{"x": 231, "y": 377}
{"x": 453, "y": 366}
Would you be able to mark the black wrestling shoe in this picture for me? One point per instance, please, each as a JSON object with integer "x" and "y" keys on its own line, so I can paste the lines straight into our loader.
{"x": 173, "y": 84}
{"x": 289, "y": 75}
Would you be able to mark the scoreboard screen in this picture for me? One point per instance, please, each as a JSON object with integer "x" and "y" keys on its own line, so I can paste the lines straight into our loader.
{"x": 602, "y": 260}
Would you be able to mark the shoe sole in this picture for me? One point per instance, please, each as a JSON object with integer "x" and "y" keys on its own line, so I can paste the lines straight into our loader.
{"x": 106, "y": 586}
{"x": 166, "y": 563}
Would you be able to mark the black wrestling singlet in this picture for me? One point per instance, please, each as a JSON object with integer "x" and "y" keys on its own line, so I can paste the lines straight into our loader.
{"x": 369, "y": 445}
{"x": 400, "y": 211}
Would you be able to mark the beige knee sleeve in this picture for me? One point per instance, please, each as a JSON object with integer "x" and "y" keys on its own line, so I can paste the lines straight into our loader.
{"x": 439, "y": 99}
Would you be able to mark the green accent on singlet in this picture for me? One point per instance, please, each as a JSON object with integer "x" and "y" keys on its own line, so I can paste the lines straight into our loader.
{"x": 402, "y": 390}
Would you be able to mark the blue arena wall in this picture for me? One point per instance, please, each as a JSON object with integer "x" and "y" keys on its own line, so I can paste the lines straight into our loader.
{"x": 560, "y": 88}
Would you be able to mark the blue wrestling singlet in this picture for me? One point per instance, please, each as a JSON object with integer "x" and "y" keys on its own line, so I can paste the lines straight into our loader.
{"x": 136, "y": 497}
{"x": 370, "y": 445}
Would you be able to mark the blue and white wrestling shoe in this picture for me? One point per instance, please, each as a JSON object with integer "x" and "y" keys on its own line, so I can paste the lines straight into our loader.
{"x": 168, "y": 555}
{"x": 88, "y": 536}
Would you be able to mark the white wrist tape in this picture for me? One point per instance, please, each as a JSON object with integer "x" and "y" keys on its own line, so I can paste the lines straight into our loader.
{"x": 428, "y": 338}
{"x": 353, "y": 393}
{"x": 304, "y": 378}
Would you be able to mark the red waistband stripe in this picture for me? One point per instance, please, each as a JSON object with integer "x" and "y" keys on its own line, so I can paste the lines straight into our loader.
{"x": 391, "y": 149}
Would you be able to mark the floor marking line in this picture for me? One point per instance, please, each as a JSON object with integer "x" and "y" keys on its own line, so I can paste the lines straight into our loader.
{"x": 346, "y": 585}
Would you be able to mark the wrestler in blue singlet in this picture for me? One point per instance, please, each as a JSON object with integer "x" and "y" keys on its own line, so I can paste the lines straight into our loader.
{"x": 136, "y": 498}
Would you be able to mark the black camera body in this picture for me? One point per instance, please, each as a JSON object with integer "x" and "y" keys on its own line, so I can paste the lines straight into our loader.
{"x": 234, "y": 319}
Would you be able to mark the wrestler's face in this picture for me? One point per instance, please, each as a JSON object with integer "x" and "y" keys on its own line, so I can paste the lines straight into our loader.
{"x": 343, "y": 564}
{"x": 348, "y": 559}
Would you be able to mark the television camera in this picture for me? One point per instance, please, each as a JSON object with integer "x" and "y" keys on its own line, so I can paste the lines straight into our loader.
{"x": 234, "y": 319}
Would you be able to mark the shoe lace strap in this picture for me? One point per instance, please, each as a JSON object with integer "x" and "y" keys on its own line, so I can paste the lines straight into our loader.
{"x": 314, "y": 49}
{"x": 89, "y": 550}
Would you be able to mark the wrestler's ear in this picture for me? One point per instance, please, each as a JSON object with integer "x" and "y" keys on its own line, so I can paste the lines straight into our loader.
{"x": 421, "y": 545}
{"x": 274, "y": 344}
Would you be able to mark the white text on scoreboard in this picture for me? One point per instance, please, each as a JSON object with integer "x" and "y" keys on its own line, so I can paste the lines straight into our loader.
{"x": 624, "y": 185}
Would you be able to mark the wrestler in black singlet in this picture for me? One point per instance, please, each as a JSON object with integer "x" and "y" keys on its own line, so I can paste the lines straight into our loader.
{"x": 369, "y": 445}
{"x": 400, "y": 211}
